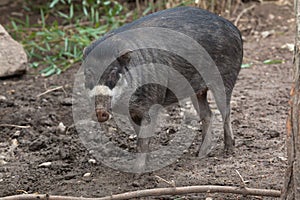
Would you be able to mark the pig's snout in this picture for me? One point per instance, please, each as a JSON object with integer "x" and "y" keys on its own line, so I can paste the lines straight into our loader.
{"x": 102, "y": 115}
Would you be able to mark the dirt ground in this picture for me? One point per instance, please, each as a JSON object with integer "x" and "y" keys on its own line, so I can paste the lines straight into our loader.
{"x": 259, "y": 112}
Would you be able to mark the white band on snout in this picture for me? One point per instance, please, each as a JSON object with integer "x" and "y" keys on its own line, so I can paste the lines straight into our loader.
{"x": 100, "y": 90}
{"x": 106, "y": 91}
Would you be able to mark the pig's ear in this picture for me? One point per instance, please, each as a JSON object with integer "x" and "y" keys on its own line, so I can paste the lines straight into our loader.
{"x": 125, "y": 57}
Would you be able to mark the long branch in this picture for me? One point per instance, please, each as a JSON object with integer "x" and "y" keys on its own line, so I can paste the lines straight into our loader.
{"x": 158, "y": 192}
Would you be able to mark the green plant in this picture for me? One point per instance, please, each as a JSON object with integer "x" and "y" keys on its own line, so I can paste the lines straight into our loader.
{"x": 55, "y": 41}
{"x": 58, "y": 45}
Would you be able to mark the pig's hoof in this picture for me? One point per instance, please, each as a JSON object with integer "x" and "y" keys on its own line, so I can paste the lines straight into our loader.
{"x": 229, "y": 151}
{"x": 203, "y": 153}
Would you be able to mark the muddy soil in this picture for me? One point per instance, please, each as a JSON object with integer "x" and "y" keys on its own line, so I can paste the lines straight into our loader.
{"x": 30, "y": 133}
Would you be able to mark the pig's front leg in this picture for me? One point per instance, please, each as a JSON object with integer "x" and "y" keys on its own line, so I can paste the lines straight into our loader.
{"x": 145, "y": 132}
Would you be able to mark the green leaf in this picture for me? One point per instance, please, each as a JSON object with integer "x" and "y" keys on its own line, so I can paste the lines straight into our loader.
{"x": 97, "y": 16}
{"x": 34, "y": 64}
{"x": 58, "y": 71}
{"x": 106, "y": 3}
{"x": 270, "y": 62}
{"x": 147, "y": 10}
{"x": 48, "y": 46}
{"x": 49, "y": 72}
{"x": 43, "y": 18}
{"x": 63, "y": 15}
{"x": 15, "y": 27}
{"x": 53, "y": 3}
{"x": 85, "y": 12}
{"x": 27, "y": 22}
{"x": 66, "y": 44}
{"x": 246, "y": 65}
{"x": 71, "y": 11}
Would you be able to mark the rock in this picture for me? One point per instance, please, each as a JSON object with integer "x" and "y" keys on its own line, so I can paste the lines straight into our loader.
{"x": 86, "y": 174}
{"x": 45, "y": 164}
{"x": 266, "y": 34}
{"x": 61, "y": 128}
{"x": 17, "y": 134}
{"x": 66, "y": 101}
{"x": 92, "y": 161}
{"x": 3, "y": 98}
{"x": 13, "y": 59}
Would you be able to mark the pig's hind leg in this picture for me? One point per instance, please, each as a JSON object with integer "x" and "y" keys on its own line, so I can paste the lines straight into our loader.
{"x": 206, "y": 117}
{"x": 228, "y": 134}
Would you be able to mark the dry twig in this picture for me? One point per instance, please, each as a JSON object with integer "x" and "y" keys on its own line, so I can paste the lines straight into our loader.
{"x": 242, "y": 179}
{"x": 13, "y": 125}
{"x": 241, "y": 14}
{"x": 51, "y": 90}
{"x": 171, "y": 183}
{"x": 158, "y": 192}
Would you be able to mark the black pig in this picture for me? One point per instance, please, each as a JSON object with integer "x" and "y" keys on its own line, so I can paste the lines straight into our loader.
{"x": 219, "y": 37}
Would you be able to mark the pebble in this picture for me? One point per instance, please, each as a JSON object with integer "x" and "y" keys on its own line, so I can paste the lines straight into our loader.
{"x": 2, "y": 162}
{"x": 17, "y": 134}
{"x": 14, "y": 143}
{"x": 86, "y": 174}
{"x": 3, "y": 98}
{"x": 45, "y": 164}
{"x": 132, "y": 137}
{"x": 61, "y": 128}
{"x": 92, "y": 161}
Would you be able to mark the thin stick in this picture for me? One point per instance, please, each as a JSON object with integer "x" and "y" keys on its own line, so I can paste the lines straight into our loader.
{"x": 171, "y": 183}
{"x": 237, "y": 4}
{"x": 241, "y": 178}
{"x": 137, "y": 3}
{"x": 158, "y": 192}
{"x": 13, "y": 125}
{"x": 241, "y": 14}
{"x": 51, "y": 90}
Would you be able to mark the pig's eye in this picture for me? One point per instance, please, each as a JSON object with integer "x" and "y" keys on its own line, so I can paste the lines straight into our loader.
{"x": 114, "y": 76}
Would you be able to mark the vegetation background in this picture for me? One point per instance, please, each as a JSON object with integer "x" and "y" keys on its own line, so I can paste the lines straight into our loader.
{"x": 54, "y": 33}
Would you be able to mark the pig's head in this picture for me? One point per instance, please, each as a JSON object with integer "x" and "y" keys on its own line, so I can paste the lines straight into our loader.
{"x": 106, "y": 89}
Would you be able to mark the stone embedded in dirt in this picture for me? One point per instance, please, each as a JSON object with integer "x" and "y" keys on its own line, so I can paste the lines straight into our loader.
{"x": 2, "y": 162}
{"x": 66, "y": 101}
{"x": 61, "y": 128}
{"x": 92, "y": 161}
{"x": 45, "y": 164}
{"x": 17, "y": 134}
{"x": 13, "y": 59}
{"x": 289, "y": 46}
{"x": 86, "y": 174}
{"x": 3, "y": 98}
{"x": 266, "y": 34}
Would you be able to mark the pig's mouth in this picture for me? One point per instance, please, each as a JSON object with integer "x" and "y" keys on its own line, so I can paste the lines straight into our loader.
{"x": 102, "y": 115}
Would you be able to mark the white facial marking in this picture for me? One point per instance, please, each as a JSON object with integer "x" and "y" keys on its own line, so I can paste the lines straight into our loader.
{"x": 119, "y": 88}
{"x": 101, "y": 90}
